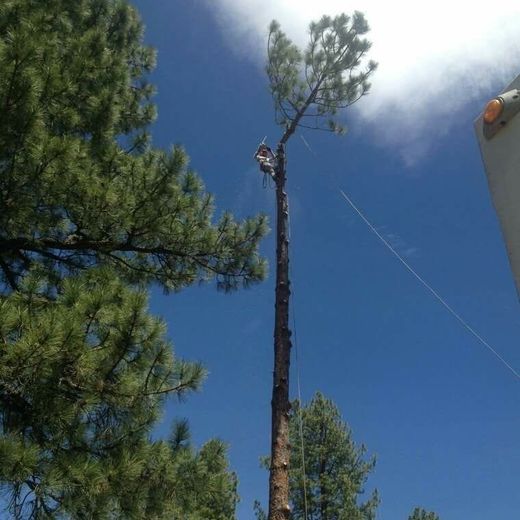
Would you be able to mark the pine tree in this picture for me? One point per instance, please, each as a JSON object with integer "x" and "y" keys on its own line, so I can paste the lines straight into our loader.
{"x": 336, "y": 469}
{"x": 328, "y": 470}
{"x": 90, "y": 214}
{"x": 309, "y": 89}
{"x": 84, "y": 377}
{"x": 421, "y": 514}
{"x": 205, "y": 471}
{"x": 79, "y": 183}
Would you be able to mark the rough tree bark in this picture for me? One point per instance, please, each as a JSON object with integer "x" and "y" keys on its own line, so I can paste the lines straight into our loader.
{"x": 280, "y": 450}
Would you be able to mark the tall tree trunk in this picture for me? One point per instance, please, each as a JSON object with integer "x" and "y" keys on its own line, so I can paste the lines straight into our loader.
{"x": 280, "y": 449}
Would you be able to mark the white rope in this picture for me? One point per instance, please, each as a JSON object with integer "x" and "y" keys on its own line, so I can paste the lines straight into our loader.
{"x": 300, "y": 415}
{"x": 432, "y": 291}
{"x": 307, "y": 145}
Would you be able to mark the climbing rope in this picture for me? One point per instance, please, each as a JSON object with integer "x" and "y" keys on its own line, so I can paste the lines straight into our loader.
{"x": 298, "y": 385}
{"x": 300, "y": 416}
{"x": 457, "y": 316}
{"x": 437, "y": 296}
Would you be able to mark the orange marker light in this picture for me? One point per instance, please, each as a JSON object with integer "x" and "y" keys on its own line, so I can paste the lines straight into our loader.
{"x": 493, "y": 110}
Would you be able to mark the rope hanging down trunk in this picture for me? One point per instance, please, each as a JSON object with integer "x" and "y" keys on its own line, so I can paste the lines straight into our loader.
{"x": 280, "y": 450}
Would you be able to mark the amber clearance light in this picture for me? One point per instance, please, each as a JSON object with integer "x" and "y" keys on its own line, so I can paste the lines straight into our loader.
{"x": 493, "y": 110}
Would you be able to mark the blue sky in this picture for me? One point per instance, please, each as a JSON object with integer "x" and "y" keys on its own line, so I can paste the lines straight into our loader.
{"x": 438, "y": 410}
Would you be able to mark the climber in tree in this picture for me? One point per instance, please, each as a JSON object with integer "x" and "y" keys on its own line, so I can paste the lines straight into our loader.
{"x": 266, "y": 159}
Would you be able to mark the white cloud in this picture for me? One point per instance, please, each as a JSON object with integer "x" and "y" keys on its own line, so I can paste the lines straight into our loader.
{"x": 434, "y": 57}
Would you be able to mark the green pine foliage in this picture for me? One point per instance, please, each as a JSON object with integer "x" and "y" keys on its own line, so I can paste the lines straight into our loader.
{"x": 84, "y": 377}
{"x": 336, "y": 469}
{"x": 310, "y": 87}
{"x": 90, "y": 215}
{"x": 421, "y": 514}
{"x": 79, "y": 183}
{"x": 206, "y": 471}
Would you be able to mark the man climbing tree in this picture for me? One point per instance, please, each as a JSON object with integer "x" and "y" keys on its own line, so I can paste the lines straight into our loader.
{"x": 309, "y": 90}
{"x": 90, "y": 214}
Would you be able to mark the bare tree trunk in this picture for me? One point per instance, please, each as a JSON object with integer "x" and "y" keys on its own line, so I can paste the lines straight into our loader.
{"x": 280, "y": 449}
